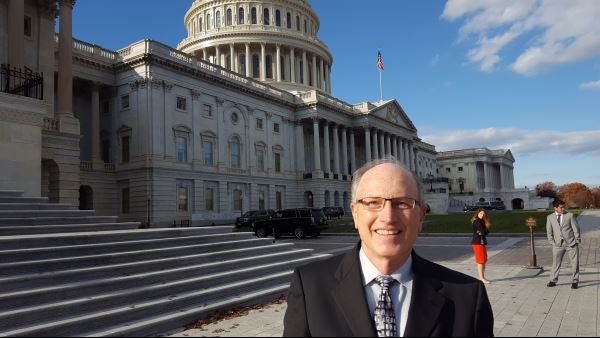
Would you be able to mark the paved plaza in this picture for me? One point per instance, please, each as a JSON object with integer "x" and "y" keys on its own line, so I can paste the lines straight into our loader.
{"x": 522, "y": 304}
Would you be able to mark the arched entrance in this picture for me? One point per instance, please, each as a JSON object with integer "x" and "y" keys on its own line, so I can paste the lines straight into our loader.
{"x": 50, "y": 182}
{"x": 86, "y": 198}
{"x": 309, "y": 199}
{"x": 518, "y": 204}
{"x": 327, "y": 198}
{"x": 346, "y": 204}
{"x": 336, "y": 199}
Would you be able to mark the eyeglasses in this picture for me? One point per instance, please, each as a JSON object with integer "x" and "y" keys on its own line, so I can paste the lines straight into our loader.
{"x": 377, "y": 203}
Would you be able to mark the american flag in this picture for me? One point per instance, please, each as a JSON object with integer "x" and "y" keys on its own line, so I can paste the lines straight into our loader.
{"x": 379, "y": 61}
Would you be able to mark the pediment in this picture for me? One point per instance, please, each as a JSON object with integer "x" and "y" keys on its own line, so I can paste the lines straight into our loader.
{"x": 393, "y": 113}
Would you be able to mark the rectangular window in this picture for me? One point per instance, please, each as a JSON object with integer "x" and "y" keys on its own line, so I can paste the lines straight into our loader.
{"x": 279, "y": 200}
{"x": 28, "y": 27}
{"x": 181, "y": 103}
{"x": 182, "y": 199}
{"x": 261, "y": 200}
{"x": 125, "y": 200}
{"x": 106, "y": 151}
{"x": 276, "y": 127}
{"x": 277, "y": 163}
{"x": 125, "y": 149}
{"x": 181, "y": 149}
{"x": 125, "y": 102}
{"x": 259, "y": 124}
{"x": 460, "y": 169}
{"x": 207, "y": 150}
{"x": 447, "y": 170}
{"x": 235, "y": 155}
{"x": 260, "y": 160}
{"x": 207, "y": 110}
{"x": 209, "y": 199}
{"x": 237, "y": 200}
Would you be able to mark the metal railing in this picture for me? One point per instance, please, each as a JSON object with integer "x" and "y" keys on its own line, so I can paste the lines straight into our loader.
{"x": 23, "y": 83}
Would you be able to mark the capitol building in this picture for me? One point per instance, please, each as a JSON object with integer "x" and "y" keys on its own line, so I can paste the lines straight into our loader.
{"x": 238, "y": 116}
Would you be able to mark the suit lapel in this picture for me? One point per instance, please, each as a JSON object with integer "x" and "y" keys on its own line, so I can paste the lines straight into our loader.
{"x": 350, "y": 296}
{"x": 426, "y": 302}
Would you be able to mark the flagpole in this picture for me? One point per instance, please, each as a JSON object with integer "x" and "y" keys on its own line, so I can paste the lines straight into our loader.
{"x": 380, "y": 88}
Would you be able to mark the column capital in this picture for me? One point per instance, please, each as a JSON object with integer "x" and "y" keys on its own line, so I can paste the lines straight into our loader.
{"x": 315, "y": 119}
{"x": 70, "y": 3}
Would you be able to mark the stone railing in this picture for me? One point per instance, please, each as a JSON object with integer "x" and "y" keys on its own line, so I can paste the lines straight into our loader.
{"x": 110, "y": 167}
{"x": 50, "y": 124}
{"x": 335, "y": 102}
{"x": 86, "y": 165}
{"x": 92, "y": 50}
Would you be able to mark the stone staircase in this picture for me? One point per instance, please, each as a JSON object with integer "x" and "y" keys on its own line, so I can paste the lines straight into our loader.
{"x": 66, "y": 272}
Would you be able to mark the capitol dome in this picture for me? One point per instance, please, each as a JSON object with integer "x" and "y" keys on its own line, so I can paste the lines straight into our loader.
{"x": 274, "y": 41}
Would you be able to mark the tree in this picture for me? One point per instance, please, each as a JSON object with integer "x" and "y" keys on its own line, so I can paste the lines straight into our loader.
{"x": 576, "y": 195}
{"x": 596, "y": 197}
{"x": 546, "y": 189}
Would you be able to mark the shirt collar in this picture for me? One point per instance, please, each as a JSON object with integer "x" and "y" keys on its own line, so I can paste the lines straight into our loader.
{"x": 403, "y": 274}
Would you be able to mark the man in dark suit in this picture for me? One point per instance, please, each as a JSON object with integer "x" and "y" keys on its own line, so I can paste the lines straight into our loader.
{"x": 563, "y": 233}
{"x": 382, "y": 287}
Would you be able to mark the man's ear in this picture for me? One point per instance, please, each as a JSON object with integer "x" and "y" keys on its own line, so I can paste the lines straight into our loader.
{"x": 354, "y": 209}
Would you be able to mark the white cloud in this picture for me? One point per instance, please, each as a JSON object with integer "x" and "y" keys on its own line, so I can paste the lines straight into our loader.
{"x": 520, "y": 141}
{"x": 590, "y": 85}
{"x": 561, "y": 31}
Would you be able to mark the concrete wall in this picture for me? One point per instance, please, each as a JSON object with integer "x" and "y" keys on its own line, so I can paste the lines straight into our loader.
{"x": 20, "y": 155}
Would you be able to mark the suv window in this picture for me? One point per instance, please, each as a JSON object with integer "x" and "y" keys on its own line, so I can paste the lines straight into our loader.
{"x": 305, "y": 213}
{"x": 288, "y": 214}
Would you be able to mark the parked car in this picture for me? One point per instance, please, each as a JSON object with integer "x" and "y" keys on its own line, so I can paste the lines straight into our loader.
{"x": 332, "y": 212}
{"x": 253, "y": 215}
{"x": 298, "y": 222}
{"x": 493, "y": 205}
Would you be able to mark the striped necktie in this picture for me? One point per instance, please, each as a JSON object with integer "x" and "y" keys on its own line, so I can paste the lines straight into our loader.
{"x": 385, "y": 319}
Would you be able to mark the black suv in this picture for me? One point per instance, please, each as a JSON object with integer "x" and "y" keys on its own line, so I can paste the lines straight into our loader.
{"x": 253, "y": 215}
{"x": 298, "y": 222}
{"x": 332, "y": 212}
{"x": 493, "y": 205}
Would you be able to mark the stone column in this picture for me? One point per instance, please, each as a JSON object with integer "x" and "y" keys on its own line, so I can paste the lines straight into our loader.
{"x": 388, "y": 145}
{"x": 368, "y": 155}
{"x": 329, "y": 79}
{"x": 320, "y": 86}
{"x": 381, "y": 145}
{"x": 263, "y": 61}
{"x": 327, "y": 159}
{"x": 344, "y": 152}
{"x": 317, "y": 146}
{"x": 395, "y": 146}
{"x": 300, "y": 146}
{"x": 336, "y": 150}
{"x": 232, "y": 57}
{"x": 217, "y": 56}
{"x": 278, "y": 63}
{"x": 204, "y": 54}
{"x": 16, "y": 32}
{"x": 375, "y": 144}
{"x": 352, "y": 152}
{"x": 406, "y": 154}
{"x": 292, "y": 66}
{"x": 248, "y": 65}
{"x": 502, "y": 177}
{"x": 67, "y": 122}
{"x": 314, "y": 71}
{"x": 304, "y": 69}
{"x": 96, "y": 125}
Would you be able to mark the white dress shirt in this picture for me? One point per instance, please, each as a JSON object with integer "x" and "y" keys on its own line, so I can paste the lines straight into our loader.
{"x": 401, "y": 301}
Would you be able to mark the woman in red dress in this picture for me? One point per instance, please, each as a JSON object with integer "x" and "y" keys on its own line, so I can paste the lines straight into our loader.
{"x": 481, "y": 227}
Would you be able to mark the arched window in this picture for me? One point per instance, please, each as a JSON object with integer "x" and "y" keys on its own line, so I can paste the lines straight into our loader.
{"x": 253, "y": 15}
{"x": 200, "y": 21}
{"x": 278, "y": 18}
{"x": 235, "y": 153}
{"x": 241, "y": 16}
{"x": 207, "y": 21}
{"x": 255, "y": 66}
{"x": 218, "y": 20}
{"x": 228, "y": 19}
{"x": 242, "y": 58}
{"x": 297, "y": 22}
{"x": 269, "y": 67}
{"x": 266, "y": 19}
{"x": 289, "y": 20}
{"x": 305, "y": 29}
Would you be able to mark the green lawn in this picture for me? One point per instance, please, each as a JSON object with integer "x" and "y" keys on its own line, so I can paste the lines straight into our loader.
{"x": 502, "y": 222}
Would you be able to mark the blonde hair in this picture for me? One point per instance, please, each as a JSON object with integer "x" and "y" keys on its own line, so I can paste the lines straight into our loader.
{"x": 486, "y": 220}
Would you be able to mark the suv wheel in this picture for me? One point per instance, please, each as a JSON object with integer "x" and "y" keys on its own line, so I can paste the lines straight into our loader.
{"x": 261, "y": 232}
{"x": 299, "y": 233}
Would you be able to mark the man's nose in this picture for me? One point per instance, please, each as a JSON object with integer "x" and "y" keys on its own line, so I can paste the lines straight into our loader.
{"x": 388, "y": 213}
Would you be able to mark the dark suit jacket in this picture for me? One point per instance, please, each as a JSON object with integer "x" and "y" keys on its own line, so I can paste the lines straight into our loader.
{"x": 327, "y": 298}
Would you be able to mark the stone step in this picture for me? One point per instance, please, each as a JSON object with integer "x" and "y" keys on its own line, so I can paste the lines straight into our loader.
{"x": 11, "y": 193}
{"x": 142, "y": 308}
{"x": 35, "y": 206}
{"x": 89, "y": 238}
{"x": 8, "y": 230}
{"x": 23, "y": 199}
{"x": 210, "y": 252}
{"x": 40, "y": 253}
{"x": 8, "y": 214}
{"x": 16, "y": 221}
{"x": 75, "y": 298}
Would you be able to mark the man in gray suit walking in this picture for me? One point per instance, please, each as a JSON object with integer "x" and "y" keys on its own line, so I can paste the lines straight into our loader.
{"x": 563, "y": 234}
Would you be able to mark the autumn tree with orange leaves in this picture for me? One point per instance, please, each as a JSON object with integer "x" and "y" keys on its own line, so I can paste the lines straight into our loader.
{"x": 546, "y": 189}
{"x": 576, "y": 195}
{"x": 596, "y": 197}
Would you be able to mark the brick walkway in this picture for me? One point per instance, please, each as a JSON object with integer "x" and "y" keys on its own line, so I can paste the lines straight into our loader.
{"x": 522, "y": 304}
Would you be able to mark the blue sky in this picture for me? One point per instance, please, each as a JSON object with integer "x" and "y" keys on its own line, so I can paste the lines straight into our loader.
{"x": 517, "y": 74}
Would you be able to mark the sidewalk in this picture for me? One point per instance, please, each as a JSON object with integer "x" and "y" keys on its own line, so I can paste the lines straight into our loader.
{"x": 522, "y": 304}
